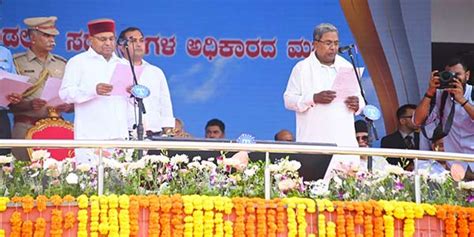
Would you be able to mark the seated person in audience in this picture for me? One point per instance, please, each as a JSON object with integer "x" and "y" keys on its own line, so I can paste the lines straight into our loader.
{"x": 215, "y": 128}
{"x": 179, "y": 129}
{"x": 284, "y": 135}
{"x": 362, "y": 136}
{"x": 406, "y": 136}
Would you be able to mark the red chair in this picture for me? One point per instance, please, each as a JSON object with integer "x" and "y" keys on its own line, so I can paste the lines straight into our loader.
{"x": 53, "y": 127}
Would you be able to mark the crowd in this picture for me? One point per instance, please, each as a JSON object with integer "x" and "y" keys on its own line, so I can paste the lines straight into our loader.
{"x": 445, "y": 115}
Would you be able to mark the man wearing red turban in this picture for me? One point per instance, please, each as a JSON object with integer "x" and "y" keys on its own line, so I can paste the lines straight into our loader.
{"x": 98, "y": 115}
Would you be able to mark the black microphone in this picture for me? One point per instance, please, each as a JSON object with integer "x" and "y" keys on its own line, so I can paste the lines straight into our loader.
{"x": 344, "y": 49}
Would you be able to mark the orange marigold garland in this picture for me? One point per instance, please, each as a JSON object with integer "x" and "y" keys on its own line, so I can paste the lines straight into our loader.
{"x": 239, "y": 225}
{"x": 271, "y": 218}
{"x": 40, "y": 224}
{"x": 450, "y": 221}
{"x": 378, "y": 220}
{"x": 251, "y": 217}
{"x": 340, "y": 219}
{"x": 261, "y": 217}
{"x": 56, "y": 229}
{"x": 368, "y": 226}
{"x": 154, "y": 219}
{"x": 281, "y": 227}
{"x": 134, "y": 211}
{"x": 350, "y": 222}
{"x": 41, "y": 203}
{"x": 471, "y": 220}
{"x": 70, "y": 217}
{"x": 40, "y": 227}
{"x": 165, "y": 218}
{"x": 16, "y": 221}
{"x": 463, "y": 228}
{"x": 69, "y": 220}
{"x": 27, "y": 229}
{"x": 177, "y": 211}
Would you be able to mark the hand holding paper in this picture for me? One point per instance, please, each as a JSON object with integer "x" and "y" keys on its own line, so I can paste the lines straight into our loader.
{"x": 345, "y": 84}
{"x": 11, "y": 84}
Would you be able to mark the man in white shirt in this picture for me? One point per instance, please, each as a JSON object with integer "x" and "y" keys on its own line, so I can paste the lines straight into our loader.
{"x": 159, "y": 111}
{"x": 320, "y": 117}
{"x": 98, "y": 115}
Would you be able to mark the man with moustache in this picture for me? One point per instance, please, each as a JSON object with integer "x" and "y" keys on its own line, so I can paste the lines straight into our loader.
{"x": 39, "y": 64}
{"x": 98, "y": 115}
{"x": 319, "y": 116}
{"x": 159, "y": 111}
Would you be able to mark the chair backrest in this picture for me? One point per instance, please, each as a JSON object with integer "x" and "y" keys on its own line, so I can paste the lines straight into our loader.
{"x": 52, "y": 128}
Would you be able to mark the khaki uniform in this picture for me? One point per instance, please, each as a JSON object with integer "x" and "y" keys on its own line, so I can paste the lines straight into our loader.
{"x": 28, "y": 64}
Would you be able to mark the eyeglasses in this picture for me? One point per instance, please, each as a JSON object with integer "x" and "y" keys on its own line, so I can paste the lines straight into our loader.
{"x": 362, "y": 138}
{"x": 104, "y": 39}
{"x": 329, "y": 43}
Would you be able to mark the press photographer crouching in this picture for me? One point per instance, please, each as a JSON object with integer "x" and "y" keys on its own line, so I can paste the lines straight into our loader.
{"x": 448, "y": 103}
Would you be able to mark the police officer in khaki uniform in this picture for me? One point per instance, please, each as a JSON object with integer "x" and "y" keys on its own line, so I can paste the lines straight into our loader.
{"x": 38, "y": 64}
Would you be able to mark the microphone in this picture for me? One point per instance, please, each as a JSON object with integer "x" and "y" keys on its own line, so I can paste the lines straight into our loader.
{"x": 122, "y": 42}
{"x": 344, "y": 49}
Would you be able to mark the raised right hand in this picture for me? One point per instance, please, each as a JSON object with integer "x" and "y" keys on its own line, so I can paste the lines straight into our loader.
{"x": 434, "y": 83}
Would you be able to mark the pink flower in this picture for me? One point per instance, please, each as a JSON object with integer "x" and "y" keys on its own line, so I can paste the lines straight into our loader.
{"x": 286, "y": 185}
{"x": 239, "y": 161}
{"x": 7, "y": 169}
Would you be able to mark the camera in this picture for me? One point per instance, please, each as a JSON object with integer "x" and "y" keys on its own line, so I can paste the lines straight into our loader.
{"x": 445, "y": 79}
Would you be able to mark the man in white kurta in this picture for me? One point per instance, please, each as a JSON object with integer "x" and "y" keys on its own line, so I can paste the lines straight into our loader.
{"x": 98, "y": 115}
{"x": 320, "y": 117}
{"x": 159, "y": 111}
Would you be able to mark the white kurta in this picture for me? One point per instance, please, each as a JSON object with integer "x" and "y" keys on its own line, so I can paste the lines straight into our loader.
{"x": 326, "y": 123}
{"x": 159, "y": 110}
{"x": 96, "y": 117}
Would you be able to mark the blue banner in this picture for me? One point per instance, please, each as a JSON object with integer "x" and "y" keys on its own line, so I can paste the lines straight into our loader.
{"x": 223, "y": 59}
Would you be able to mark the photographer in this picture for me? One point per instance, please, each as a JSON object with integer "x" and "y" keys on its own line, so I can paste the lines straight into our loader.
{"x": 452, "y": 110}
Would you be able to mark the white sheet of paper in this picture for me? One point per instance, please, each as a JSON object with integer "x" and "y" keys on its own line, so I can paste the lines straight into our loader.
{"x": 123, "y": 78}
{"x": 11, "y": 76}
{"x": 346, "y": 84}
{"x": 11, "y": 83}
{"x": 51, "y": 92}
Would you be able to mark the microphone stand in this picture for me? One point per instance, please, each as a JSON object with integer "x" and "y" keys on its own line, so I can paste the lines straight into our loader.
{"x": 141, "y": 106}
{"x": 372, "y": 131}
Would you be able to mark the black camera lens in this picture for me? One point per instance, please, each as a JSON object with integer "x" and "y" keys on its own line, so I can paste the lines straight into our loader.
{"x": 446, "y": 76}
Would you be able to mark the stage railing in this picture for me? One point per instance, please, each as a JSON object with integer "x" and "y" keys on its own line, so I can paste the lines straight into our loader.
{"x": 226, "y": 146}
